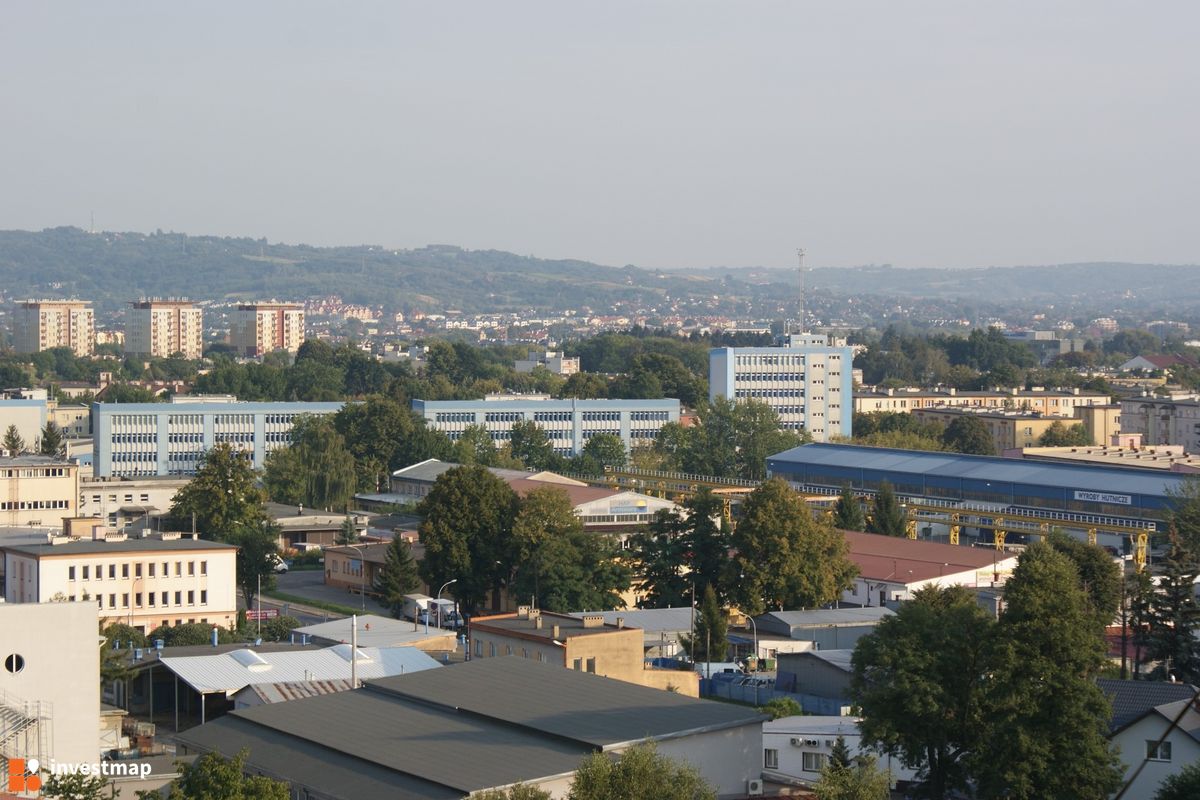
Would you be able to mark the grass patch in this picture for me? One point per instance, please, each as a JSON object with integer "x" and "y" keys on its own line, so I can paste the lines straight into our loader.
{"x": 321, "y": 604}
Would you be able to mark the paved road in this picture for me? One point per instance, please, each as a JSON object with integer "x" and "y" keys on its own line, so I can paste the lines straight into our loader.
{"x": 311, "y": 584}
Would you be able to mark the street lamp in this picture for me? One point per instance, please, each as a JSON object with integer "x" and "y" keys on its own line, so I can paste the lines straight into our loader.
{"x": 754, "y": 627}
{"x": 439, "y": 601}
{"x": 362, "y": 576}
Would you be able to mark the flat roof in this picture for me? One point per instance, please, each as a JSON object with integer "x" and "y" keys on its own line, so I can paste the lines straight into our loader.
{"x": 545, "y": 405}
{"x": 526, "y": 627}
{"x": 904, "y": 560}
{"x": 34, "y": 461}
{"x": 80, "y": 547}
{"x": 818, "y": 726}
{"x": 217, "y": 407}
{"x": 824, "y": 617}
{"x": 978, "y": 468}
{"x": 651, "y": 620}
{"x": 374, "y": 631}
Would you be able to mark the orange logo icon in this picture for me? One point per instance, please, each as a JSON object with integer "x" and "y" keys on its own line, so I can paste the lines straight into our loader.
{"x": 22, "y": 776}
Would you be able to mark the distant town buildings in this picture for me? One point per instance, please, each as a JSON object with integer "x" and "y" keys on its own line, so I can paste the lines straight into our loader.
{"x": 807, "y": 381}
{"x": 261, "y": 328}
{"x": 1164, "y": 420}
{"x": 141, "y": 439}
{"x": 45, "y": 324}
{"x": 552, "y": 361}
{"x": 1012, "y": 429}
{"x": 1058, "y": 402}
{"x": 162, "y": 328}
{"x": 568, "y": 423}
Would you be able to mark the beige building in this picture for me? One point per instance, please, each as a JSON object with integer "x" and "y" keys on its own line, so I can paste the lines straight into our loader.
{"x": 1102, "y": 421}
{"x": 1059, "y": 402}
{"x": 44, "y": 324}
{"x": 584, "y": 644}
{"x": 49, "y": 684}
{"x": 162, "y": 328}
{"x": 161, "y": 579}
{"x": 1009, "y": 429}
{"x": 37, "y": 491}
{"x": 261, "y": 328}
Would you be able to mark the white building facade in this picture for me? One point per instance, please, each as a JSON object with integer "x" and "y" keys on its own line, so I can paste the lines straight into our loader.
{"x": 143, "y": 439}
{"x": 568, "y": 423}
{"x": 162, "y": 328}
{"x": 1163, "y": 421}
{"x": 796, "y": 749}
{"x": 163, "y": 579}
{"x": 807, "y": 381}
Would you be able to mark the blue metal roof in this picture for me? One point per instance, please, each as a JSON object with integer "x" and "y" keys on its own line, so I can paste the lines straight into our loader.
{"x": 981, "y": 468}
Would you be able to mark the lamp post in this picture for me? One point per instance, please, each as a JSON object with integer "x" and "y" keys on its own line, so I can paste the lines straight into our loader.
{"x": 754, "y": 627}
{"x": 439, "y": 601}
{"x": 362, "y": 576}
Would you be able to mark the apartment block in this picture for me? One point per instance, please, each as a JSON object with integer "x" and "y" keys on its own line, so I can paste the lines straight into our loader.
{"x": 568, "y": 423}
{"x": 45, "y": 324}
{"x": 143, "y": 439}
{"x": 163, "y": 579}
{"x": 1163, "y": 420}
{"x": 806, "y": 380}
{"x": 162, "y": 328}
{"x": 1059, "y": 402}
{"x": 261, "y": 328}
{"x": 37, "y": 491}
{"x": 1009, "y": 429}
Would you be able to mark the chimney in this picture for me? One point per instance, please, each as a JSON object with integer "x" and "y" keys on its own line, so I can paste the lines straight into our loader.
{"x": 620, "y": 623}
{"x": 522, "y": 612}
{"x": 555, "y": 631}
{"x": 537, "y": 622}
{"x": 593, "y": 620}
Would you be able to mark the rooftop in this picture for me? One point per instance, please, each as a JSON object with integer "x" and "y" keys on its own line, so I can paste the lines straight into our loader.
{"x": 835, "y": 658}
{"x": 824, "y": 617}
{"x": 1132, "y": 700}
{"x": 819, "y": 726}
{"x": 909, "y": 560}
{"x": 527, "y": 626}
{"x": 82, "y": 547}
{"x": 651, "y": 620}
{"x": 373, "y": 631}
{"x": 34, "y": 461}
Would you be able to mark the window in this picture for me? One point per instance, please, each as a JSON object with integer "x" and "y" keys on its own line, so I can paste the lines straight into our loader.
{"x": 179, "y": 598}
{"x": 492, "y": 649}
{"x": 125, "y": 600}
{"x": 112, "y": 601}
{"x": 508, "y": 649}
{"x": 165, "y": 596}
{"x": 1158, "y": 751}
{"x": 812, "y": 762}
{"x": 770, "y": 759}
{"x": 124, "y": 570}
{"x": 137, "y": 570}
{"x": 86, "y": 570}
{"x": 137, "y": 599}
{"x": 150, "y": 596}
{"x": 191, "y": 597}
{"x": 479, "y": 648}
{"x": 577, "y": 665}
{"x": 112, "y": 571}
{"x": 204, "y": 597}
{"x": 191, "y": 568}
{"x": 14, "y": 663}
{"x": 591, "y": 665}
{"x": 203, "y": 567}
{"x": 70, "y": 573}
{"x": 178, "y": 568}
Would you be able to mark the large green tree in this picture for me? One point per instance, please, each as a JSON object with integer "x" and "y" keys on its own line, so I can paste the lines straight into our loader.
{"x": 660, "y": 553}
{"x": 467, "y": 533}
{"x": 257, "y": 556}
{"x": 1174, "y": 618}
{"x": 887, "y": 517}
{"x": 848, "y": 511}
{"x": 967, "y": 434}
{"x": 784, "y": 558}
{"x": 1184, "y": 512}
{"x": 475, "y": 446}
{"x": 317, "y": 471}
{"x": 710, "y": 640}
{"x": 398, "y": 577}
{"x": 732, "y": 440}
{"x": 1099, "y": 576}
{"x": 602, "y": 451}
{"x": 1183, "y": 785}
{"x": 383, "y": 435}
{"x": 530, "y": 445}
{"x": 859, "y": 779}
{"x": 1059, "y": 435}
{"x": 639, "y": 773}
{"x": 13, "y": 442}
{"x": 223, "y": 496}
{"x": 919, "y": 679}
{"x": 213, "y": 777}
{"x": 1047, "y": 718}
{"x": 76, "y": 786}
{"x": 52, "y": 442}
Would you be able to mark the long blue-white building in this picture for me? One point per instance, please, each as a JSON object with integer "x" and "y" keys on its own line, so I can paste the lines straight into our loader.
{"x": 568, "y": 423}
{"x": 141, "y": 439}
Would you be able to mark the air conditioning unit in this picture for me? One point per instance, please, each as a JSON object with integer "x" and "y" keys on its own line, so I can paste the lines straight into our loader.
{"x": 829, "y": 742}
{"x": 797, "y": 741}
{"x": 754, "y": 787}
{"x": 811, "y": 743}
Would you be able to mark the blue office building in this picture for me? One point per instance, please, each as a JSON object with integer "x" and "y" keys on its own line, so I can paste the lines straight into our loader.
{"x": 141, "y": 439}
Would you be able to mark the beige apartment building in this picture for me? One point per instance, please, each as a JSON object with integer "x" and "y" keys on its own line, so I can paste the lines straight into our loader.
{"x": 261, "y": 328}
{"x": 160, "y": 579}
{"x": 162, "y": 328}
{"x": 1009, "y": 429}
{"x": 45, "y": 324}
{"x": 37, "y": 491}
{"x": 584, "y": 644}
{"x": 1059, "y": 402}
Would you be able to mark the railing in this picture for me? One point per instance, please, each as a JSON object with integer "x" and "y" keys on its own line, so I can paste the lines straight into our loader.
{"x": 24, "y": 731}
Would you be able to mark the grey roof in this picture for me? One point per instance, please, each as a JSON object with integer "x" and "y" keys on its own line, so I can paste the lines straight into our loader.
{"x": 839, "y": 659}
{"x": 91, "y": 547}
{"x": 829, "y": 616}
{"x": 425, "y": 471}
{"x": 651, "y": 620}
{"x": 294, "y": 690}
{"x": 596, "y": 711}
{"x": 1132, "y": 700}
{"x": 985, "y": 468}
{"x": 1189, "y": 722}
{"x": 373, "y": 631}
{"x": 34, "y": 461}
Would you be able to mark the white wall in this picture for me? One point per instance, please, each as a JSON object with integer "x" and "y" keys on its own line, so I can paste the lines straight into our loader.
{"x": 727, "y": 758}
{"x": 791, "y": 756}
{"x": 1132, "y": 742}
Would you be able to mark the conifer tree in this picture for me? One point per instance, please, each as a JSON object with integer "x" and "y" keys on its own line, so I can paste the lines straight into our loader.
{"x": 1174, "y": 618}
{"x": 52, "y": 442}
{"x": 848, "y": 511}
{"x": 710, "y": 640}
{"x": 398, "y": 576}
{"x": 887, "y": 517}
{"x": 13, "y": 442}
{"x": 348, "y": 533}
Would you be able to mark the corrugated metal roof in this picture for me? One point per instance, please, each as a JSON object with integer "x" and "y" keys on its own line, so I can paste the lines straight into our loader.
{"x": 295, "y": 690}
{"x": 224, "y": 673}
{"x": 374, "y": 631}
{"x": 830, "y": 616}
{"x": 984, "y": 468}
{"x": 651, "y": 620}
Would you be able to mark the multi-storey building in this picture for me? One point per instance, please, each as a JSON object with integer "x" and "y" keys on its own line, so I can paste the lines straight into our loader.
{"x": 567, "y": 423}
{"x": 141, "y": 439}
{"x": 1162, "y": 420}
{"x": 261, "y": 328}
{"x": 37, "y": 490}
{"x": 806, "y": 380}
{"x": 120, "y": 501}
{"x": 162, "y": 328}
{"x": 1059, "y": 402}
{"x": 160, "y": 579}
{"x": 44, "y": 324}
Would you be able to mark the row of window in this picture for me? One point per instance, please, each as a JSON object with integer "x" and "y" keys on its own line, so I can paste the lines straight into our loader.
{"x": 151, "y": 568}
{"x": 135, "y": 438}
{"x": 455, "y": 416}
{"x": 30, "y": 505}
{"x": 601, "y": 416}
{"x": 112, "y": 498}
{"x": 503, "y": 416}
{"x": 552, "y": 416}
{"x": 37, "y": 472}
{"x": 743, "y": 394}
{"x": 150, "y": 597}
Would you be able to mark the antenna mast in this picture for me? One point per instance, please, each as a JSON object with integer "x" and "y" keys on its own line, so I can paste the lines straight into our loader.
{"x": 800, "y": 271}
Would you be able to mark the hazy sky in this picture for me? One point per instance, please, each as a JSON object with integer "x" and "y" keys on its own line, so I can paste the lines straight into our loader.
{"x": 655, "y": 133}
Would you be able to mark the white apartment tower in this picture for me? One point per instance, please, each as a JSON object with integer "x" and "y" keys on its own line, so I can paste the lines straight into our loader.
{"x": 162, "y": 328}
{"x": 807, "y": 380}
{"x": 45, "y": 324}
{"x": 260, "y": 328}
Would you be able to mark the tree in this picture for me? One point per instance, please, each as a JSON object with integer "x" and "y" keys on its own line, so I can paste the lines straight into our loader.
{"x": 733, "y": 439}
{"x": 1183, "y": 785}
{"x": 918, "y": 678}
{"x": 785, "y": 558}
{"x": 1059, "y": 435}
{"x": 114, "y": 661}
{"x": 706, "y": 540}
{"x": 279, "y": 628}
{"x": 52, "y": 442}
{"x": 639, "y": 773}
{"x": 1174, "y": 618}
{"x": 13, "y": 442}
{"x": 213, "y": 777}
{"x": 603, "y": 451}
{"x": 585, "y": 386}
{"x": 223, "y": 496}
{"x": 76, "y": 786}
{"x": 780, "y": 707}
{"x": 467, "y": 533}
{"x": 710, "y": 641}
{"x": 839, "y": 754}
{"x": 257, "y": 556}
{"x": 859, "y": 779}
{"x": 1047, "y": 718}
{"x": 521, "y": 791}
{"x": 318, "y": 470}
{"x": 848, "y": 511}
{"x": 190, "y": 633}
{"x": 530, "y": 445}
{"x": 475, "y": 446}
{"x": 348, "y": 533}
{"x": 968, "y": 434}
{"x": 1184, "y": 512}
{"x": 887, "y": 517}
{"x": 659, "y": 552}
{"x": 1099, "y": 576}
{"x": 398, "y": 577}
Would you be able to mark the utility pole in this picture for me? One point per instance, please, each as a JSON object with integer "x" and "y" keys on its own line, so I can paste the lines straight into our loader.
{"x": 800, "y": 272}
